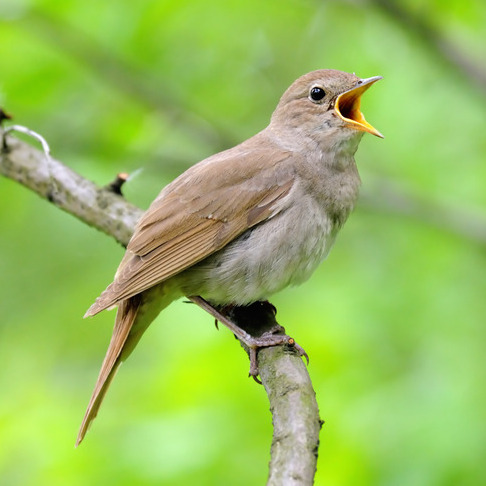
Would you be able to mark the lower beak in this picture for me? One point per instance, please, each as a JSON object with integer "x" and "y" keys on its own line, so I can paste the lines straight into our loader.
{"x": 348, "y": 104}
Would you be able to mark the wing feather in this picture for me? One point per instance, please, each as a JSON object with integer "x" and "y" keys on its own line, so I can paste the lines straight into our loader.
{"x": 184, "y": 225}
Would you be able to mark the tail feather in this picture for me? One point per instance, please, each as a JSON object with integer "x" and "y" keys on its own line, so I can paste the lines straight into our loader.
{"x": 125, "y": 317}
{"x": 133, "y": 317}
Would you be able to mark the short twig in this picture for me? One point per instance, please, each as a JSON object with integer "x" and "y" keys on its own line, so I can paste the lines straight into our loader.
{"x": 4, "y": 116}
{"x": 116, "y": 185}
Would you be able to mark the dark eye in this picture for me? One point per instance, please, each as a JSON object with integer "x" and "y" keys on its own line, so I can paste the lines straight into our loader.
{"x": 316, "y": 93}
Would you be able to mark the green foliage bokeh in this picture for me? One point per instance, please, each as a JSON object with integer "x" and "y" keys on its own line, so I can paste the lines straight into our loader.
{"x": 393, "y": 321}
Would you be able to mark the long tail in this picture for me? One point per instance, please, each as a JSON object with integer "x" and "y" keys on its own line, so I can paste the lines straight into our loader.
{"x": 133, "y": 317}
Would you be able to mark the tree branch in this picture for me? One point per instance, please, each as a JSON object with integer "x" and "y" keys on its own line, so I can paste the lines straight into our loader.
{"x": 295, "y": 413}
{"x": 52, "y": 180}
{"x": 283, "y": 373}
{"x": 296, "y": 422}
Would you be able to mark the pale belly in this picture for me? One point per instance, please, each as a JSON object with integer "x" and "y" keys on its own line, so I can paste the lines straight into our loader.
{"x": 282, "y": 251}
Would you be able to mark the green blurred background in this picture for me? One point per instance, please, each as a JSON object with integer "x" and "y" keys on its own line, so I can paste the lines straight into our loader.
{"x": 394, "y": 320}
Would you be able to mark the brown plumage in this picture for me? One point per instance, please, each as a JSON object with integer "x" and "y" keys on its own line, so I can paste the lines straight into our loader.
{"x": 183, "y": 226}
{"x": 246, "y": 222}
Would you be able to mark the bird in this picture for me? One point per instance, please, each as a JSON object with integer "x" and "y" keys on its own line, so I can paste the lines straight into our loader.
{"x": 243, "y": 224}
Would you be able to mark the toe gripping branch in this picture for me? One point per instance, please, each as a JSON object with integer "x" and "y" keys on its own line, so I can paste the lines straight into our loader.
{"x": 254, "y": 325}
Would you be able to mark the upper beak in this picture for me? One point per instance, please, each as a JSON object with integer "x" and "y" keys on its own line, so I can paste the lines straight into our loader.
{"x": 348, "y": 103}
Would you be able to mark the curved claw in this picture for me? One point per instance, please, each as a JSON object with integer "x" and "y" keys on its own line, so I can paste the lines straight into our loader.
{"x": 254, "y": 365}
{"x": 256, "y": 379}
{"x": 300, "y": 350}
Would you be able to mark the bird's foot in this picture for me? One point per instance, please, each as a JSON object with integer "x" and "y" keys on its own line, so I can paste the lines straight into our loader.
{"x": 266, "y": 340}
{"x": 274, "y": 336}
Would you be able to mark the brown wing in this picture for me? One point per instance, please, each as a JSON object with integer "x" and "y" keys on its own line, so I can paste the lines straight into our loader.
{"x": 198, "y": 214}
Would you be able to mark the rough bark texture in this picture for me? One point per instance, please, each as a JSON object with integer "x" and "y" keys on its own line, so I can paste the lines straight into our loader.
{"x": 283, "y": 373}
{"x": 52, "y": 180}
{"x": 296, "y": 422}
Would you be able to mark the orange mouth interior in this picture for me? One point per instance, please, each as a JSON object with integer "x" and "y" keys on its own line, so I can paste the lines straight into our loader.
{"x": 348, "y": 108}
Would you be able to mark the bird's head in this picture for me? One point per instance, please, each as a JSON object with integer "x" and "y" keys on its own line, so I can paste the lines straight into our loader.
{"x": 324, "y": 105}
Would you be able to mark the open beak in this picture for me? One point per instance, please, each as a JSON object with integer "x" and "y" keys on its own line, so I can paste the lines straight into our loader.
{"x": 348, "y": 103}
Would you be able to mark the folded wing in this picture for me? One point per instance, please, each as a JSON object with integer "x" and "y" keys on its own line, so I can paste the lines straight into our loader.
{"x": 199, "y": 213}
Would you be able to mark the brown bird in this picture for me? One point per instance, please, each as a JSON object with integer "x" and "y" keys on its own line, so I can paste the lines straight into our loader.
{"x": 245, "y": 223}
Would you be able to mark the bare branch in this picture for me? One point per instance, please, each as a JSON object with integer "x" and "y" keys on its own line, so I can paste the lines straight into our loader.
{"x": 97, "y": 207}
{"x": 295, "y": 414}
{"x": 284, "y": 375}
{"x": 296, "y": 422}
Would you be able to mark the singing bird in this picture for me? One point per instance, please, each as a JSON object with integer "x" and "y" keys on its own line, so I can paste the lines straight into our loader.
{"x": 243, "y": 224}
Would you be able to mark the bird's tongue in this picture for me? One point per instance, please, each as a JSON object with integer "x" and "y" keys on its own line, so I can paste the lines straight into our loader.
{"x": 348, "y": 104}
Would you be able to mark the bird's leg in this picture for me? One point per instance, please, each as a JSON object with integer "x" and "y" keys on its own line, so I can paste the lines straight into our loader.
{"x": 266, "y": 339}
